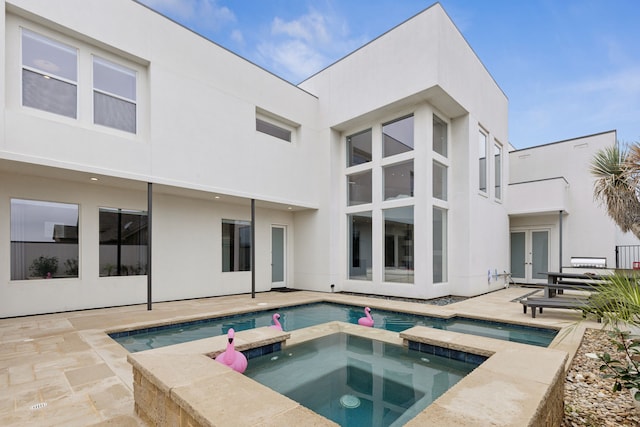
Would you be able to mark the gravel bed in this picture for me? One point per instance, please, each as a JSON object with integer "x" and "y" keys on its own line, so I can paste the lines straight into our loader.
{"x": 588, "y": 399}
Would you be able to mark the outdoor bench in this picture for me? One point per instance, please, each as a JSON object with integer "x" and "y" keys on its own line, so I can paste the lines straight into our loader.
{"x": 555, "y": 302}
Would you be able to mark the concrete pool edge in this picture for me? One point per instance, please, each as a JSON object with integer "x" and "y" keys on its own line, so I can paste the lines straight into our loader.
{"x": 178, "y": 385}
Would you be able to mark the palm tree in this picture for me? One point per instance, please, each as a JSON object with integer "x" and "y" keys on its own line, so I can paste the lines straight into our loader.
{"x": 617, "y": 174}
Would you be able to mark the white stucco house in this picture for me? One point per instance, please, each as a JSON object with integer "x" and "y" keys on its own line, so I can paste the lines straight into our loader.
{"x": 135, "y": 154}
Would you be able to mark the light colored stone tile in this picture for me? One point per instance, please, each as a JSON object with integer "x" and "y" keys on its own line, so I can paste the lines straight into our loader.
{"x": 88, "y": 374}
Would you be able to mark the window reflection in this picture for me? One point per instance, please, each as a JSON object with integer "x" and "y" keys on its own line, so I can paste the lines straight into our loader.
{"x": 397, "y": 136}
{"x": 398, "y": 244}
{"x": 360, "y": 246}
{"x": 123, "y": 242}
{"x": 236, "y": 245}
{"x": 44, "y": 240}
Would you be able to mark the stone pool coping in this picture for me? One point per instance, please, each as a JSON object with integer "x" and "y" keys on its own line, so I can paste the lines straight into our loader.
{"x": 180, "y": 385}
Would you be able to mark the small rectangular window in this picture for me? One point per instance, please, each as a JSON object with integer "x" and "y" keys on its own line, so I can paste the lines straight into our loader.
{"x": 397, "y": 136}
{"x": 359, "y": 148}
{"x": 44, "y": 240}
{"x": 49, "y": 75}
{"x": 482, "y": 162}
{"x": 273, "y": 130}
{"x": 114, "y": 95}
{"x": 439, "y": 136}
{"x": 236, "y": 245}
{"x": 123, "y": 242}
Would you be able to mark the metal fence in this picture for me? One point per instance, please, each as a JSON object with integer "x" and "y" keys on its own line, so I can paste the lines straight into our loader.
{"x": 628, "y": 256}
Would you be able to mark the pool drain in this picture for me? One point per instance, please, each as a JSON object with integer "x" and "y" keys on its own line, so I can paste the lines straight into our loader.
{"x": 349, "y": 401}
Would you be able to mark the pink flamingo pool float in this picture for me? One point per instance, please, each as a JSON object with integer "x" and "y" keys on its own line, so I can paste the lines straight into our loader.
{"x": 368, "y": 320}
{"x": 276, "y": 322}
{"x": 231, "y": 357}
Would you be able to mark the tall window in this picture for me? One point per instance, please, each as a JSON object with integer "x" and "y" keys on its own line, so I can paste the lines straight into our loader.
{"x": 397, "y": 136}
{"x": 497, "y": 164}
{"x": 49, "y": 75}
{"x": 482, "y": 162}
{"x": 44, "y": 240}
{"x": 439, "y": 136}
{"x": 236, "y": 245}
{"x": 359, "y": 148}
{"x": 398, "y": 244}
{"x": 123, "y": 242}
{"x": 114, "y": 95}
{"x": 360, "y": 246}
{"x": 439, "y": 245}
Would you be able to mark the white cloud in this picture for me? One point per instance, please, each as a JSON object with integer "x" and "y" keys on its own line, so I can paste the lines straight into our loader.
{"x": 236, "y": 36}
{"x": 201, "y": 15}
{"x": 300, "y": 47}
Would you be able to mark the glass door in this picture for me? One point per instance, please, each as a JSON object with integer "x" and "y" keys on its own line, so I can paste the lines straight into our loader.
{"x": 278, "y": 256}
{"x": 529, "y": 255}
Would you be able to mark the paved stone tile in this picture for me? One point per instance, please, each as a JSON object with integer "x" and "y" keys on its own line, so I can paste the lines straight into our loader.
{"x": 88, "y": 374}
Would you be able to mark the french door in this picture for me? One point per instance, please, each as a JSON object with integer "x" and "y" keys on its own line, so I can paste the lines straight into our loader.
{"x": 529, "y": 255}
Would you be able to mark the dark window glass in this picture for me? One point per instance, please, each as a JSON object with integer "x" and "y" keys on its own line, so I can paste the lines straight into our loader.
{"x": 359, "y": 148}
{"x": 236, "y": 245}
{"x": 123, "y": 242}
{"x": 398, "y": 245}
{"x": 397, "y": 136}
{"x": 49, "y": 94}
{"x": 113, "y": 112}
{"x": 361, "y": 247}
{"x": 44, "y": 240}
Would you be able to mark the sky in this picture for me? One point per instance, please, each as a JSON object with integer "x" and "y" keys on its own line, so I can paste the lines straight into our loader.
{"x": 569, "y": 68}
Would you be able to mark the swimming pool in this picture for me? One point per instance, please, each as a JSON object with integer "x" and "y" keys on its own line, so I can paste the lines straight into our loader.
{"x": 356, "y": 381}
{"x": 302, "y": 316}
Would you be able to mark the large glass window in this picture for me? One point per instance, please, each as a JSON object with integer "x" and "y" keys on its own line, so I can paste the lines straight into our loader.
{"x": 439, "y": 181}
{"x": 359, "y": 148}
{"x": 398, "y": 181}
{"x": 398, "y": 245}
{"x": 397, "y": 136}
{"x": 359, "y": 188}
{"x": 360, "y": 246}
{"x": 236, "y": 245}
{"x": 482, "y": 162}
{"x": 439, "y": 136}
{"x": 439, "y": 245}
{"x": 49, "y": 75}
{"x": 114, "y": 95}
{"x": 497, "y": 164}
{"x": 44, "y": 240}
{"x": 123, "y": 242}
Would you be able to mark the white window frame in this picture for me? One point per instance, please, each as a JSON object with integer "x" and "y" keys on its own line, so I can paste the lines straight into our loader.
{"x": 118, "y": 68}
{"x": 279, "y": 122}
{"x": 49, "y": 74}
{"x": 483, "y": 138}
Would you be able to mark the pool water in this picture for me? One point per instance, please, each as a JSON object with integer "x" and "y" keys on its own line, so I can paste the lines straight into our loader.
{"x": 303, "y": 316}
{"x": 357, "y": 381}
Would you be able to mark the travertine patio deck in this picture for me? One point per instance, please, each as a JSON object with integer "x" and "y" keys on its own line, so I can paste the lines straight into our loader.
{"x": 67, "y": 361}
